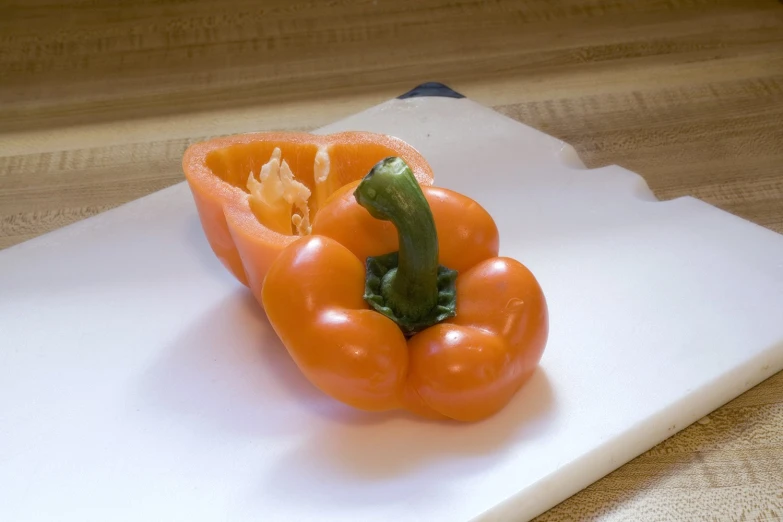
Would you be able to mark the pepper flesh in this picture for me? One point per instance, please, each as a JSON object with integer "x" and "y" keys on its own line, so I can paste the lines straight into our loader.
{"x": 465, "y": 368}
{"x": 244, "y": 235}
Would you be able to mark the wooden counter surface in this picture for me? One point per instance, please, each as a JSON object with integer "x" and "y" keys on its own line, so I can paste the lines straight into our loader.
{"x": 99, "y": 102}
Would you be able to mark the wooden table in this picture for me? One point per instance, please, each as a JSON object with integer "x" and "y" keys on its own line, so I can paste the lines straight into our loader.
{"x": 99, "y": 102}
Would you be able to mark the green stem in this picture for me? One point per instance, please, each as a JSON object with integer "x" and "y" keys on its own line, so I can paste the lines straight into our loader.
{"x": 390, "y": 192}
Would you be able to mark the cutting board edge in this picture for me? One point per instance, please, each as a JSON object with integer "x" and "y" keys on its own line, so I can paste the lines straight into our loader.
{"x": 702, "y": 402}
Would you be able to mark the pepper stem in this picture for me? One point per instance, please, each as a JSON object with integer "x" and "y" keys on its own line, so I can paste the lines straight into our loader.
{"x": 408, "y": 286}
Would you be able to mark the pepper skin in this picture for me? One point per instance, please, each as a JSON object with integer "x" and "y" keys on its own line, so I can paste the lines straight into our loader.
{"x": 466, "y": 367}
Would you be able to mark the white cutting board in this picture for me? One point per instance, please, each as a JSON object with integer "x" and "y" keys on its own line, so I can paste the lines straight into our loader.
{"x": 139, "y": 381}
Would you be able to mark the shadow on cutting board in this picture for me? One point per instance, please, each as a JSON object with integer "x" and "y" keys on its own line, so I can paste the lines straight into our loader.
{"x": 391, "y": 444}
{"x": 228, "y": 372}
{"x": 400, "y": 460}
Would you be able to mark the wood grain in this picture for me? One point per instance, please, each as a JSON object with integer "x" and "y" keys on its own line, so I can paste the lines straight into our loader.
{"x": 100, "y": 99}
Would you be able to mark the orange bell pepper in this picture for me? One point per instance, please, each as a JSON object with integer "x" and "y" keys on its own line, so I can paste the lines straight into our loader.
{"x": 398, "y": 299}
{"x": 248, "y": 220}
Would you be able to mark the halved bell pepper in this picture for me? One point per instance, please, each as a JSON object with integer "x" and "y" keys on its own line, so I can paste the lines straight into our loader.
{"x": 398, "y": 299}
{"x": 257, "y": 193}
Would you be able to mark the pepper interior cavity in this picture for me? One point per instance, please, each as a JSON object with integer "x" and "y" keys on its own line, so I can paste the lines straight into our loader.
{"x": 288, "y": 182}
{"x": 279, "y": 200}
